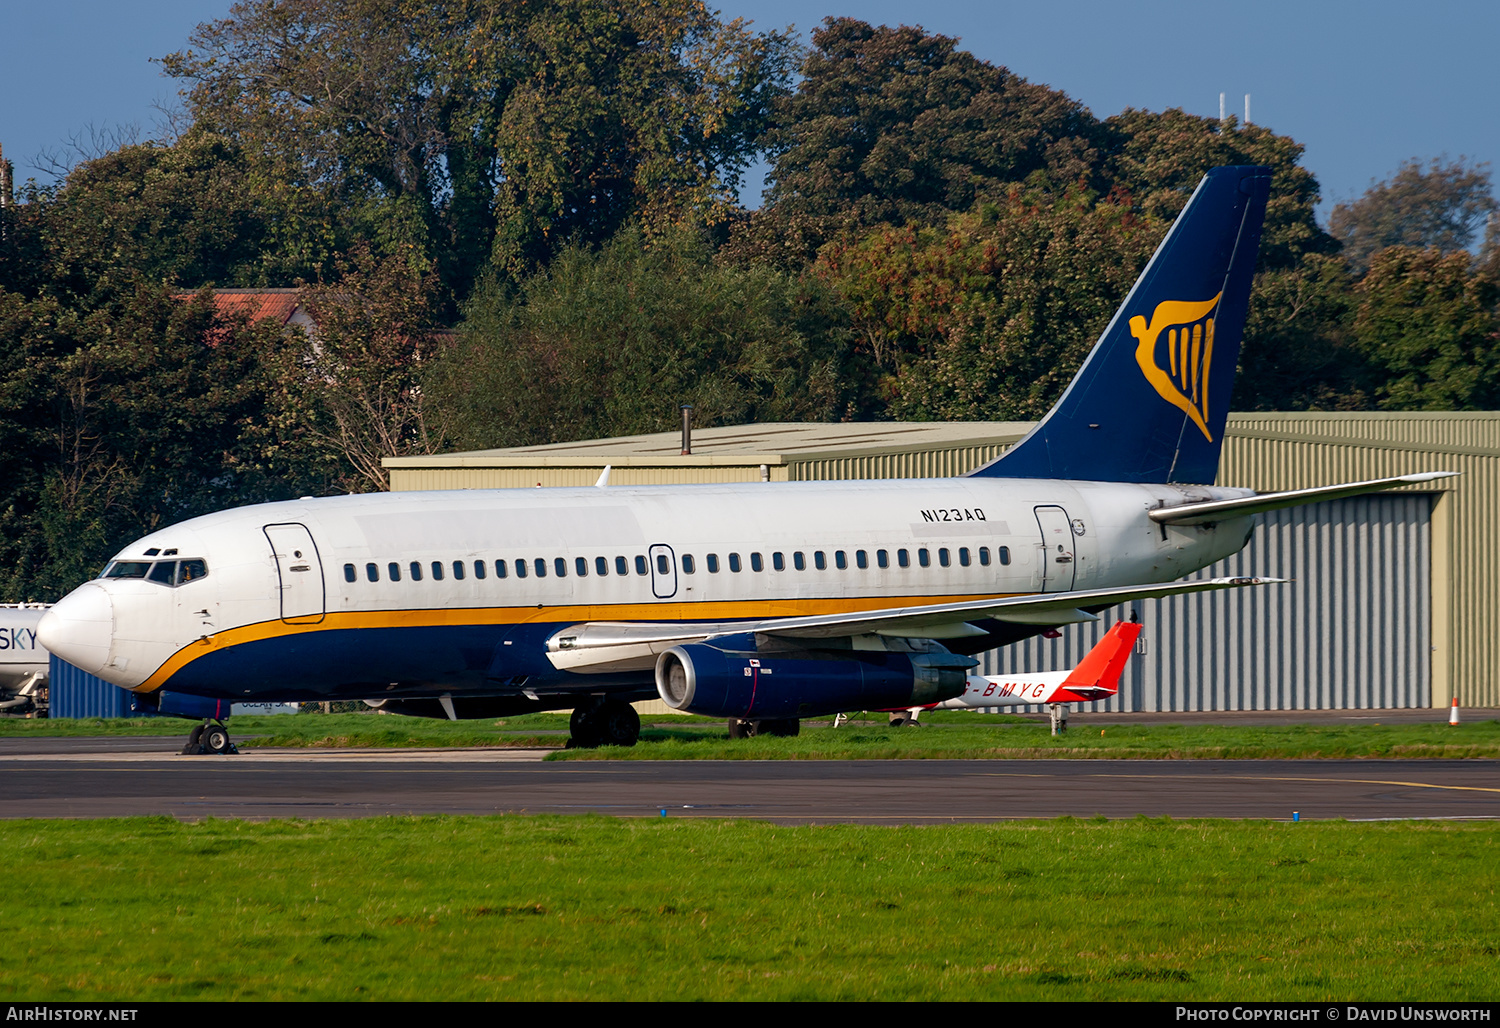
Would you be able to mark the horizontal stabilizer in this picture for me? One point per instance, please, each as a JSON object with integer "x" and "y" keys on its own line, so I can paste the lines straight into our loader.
{"x": 1218, "y": 510}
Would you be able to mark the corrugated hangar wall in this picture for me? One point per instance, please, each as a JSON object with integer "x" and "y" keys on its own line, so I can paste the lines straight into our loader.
{"x": 1350, "y": 629}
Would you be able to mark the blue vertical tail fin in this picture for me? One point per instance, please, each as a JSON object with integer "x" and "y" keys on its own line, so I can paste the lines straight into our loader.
{"x": 1150, "y": 401}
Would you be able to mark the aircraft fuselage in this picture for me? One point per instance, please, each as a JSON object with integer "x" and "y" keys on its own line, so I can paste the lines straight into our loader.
{"x": 402, "y": 595}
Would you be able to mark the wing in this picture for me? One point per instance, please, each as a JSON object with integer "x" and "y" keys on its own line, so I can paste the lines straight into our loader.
{"x": 602, "y": 646}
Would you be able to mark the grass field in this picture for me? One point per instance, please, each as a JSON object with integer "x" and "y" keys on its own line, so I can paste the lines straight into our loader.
{"x": 950, "y": 735}
{"x": 589, "y": 907}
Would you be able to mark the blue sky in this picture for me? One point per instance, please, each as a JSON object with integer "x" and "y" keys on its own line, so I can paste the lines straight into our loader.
{"x": 1363, "y": 86}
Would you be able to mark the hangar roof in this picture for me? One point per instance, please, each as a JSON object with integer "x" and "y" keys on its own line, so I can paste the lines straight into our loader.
{"x": 773, "y": 443}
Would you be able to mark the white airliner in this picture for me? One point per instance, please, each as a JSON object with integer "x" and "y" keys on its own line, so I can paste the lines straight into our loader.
{"x": 757, "y": 602}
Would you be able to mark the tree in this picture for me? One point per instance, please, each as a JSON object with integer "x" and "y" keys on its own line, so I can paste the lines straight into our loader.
{"x": 1159, "y": 158}
{"x": 1443, "y": 205}
{"x": 1428, "y": 322}
{"x": 893, "y": 126}
{"x": 119, "y": 420}
{"x": 990, "y": 316}
{"x": 610, "y": 342}
{"x": 356, "y": 387}
{"x": 1299, "y": 350}
{"x": 486, "y": 129}
{"x": 195, "y": 213}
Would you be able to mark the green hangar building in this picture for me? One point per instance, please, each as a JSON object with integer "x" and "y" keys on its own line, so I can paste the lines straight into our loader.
{"x": 1393, "y": 599}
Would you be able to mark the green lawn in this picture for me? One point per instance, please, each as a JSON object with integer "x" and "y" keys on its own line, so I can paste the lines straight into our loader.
{"x": 950, "y": 735}
{"x": 595, "y": 908}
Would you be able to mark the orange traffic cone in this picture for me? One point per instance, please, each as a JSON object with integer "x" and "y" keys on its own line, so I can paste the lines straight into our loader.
{"x": 1453, "y": 712}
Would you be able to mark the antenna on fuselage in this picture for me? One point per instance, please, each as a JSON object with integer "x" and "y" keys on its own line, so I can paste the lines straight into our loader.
{"x": 603, "y": 478}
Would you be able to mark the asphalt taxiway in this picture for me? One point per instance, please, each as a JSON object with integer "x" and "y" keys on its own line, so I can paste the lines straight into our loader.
{"x": 91, "y": 778}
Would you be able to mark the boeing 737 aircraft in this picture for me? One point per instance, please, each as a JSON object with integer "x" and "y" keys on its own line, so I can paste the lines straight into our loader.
{"x": 764, "y": 602}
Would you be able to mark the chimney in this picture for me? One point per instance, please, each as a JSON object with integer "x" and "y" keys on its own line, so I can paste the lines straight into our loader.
{"x": 687, "y": 429}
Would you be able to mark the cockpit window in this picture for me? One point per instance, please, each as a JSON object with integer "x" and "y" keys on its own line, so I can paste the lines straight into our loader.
{"x": 165, "y": 572}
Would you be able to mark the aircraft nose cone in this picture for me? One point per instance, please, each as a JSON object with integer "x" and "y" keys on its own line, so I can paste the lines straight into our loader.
{"x": 78, "y": 628}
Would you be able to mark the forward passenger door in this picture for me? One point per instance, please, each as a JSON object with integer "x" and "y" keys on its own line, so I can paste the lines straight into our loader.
{"x": 300, "y": 572}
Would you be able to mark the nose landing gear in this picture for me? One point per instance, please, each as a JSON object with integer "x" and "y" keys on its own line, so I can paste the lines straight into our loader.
{"x": 209, "y": 739}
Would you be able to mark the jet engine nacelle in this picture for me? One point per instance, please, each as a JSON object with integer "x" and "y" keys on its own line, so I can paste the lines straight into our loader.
{"x": 699, "y": 678}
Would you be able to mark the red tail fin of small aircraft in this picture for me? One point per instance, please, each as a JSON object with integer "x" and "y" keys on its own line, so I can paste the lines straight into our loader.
{"x": 1097, "y": 675}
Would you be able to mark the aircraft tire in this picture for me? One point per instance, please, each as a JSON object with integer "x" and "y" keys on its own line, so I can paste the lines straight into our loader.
{"x": 215, "y": 740}
{"x": 584, "y": 729}
{"x": 194, "y": 745}
{"x": 741, "y": 729}
{"x": 619, "y": 724}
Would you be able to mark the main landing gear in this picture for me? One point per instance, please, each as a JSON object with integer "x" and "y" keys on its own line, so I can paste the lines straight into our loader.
{"x": 210, "y": 738}
{"x": 786, "y": 727}
{"x": 604, "y": 722}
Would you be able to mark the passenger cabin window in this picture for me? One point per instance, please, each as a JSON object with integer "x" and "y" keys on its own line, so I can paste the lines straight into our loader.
{"x": 1005, "y": 554}
{"x": 479, "y": 569}
{"x": 372, "y": 572}
{"x": 984, "y": 556}
{"x": 640, "y": 564}
{"x": 541, "y": 567}
{"x": 903, "y": 558}
{"x": 350, "y": 575}
{"x": 395, "y": 571}
{"x": 601, "y": 565}
{"x": 924, "y": 558}
{"x": 943, "y": 559}
{"x": 712, "y": 560}
{"x": 520, "y": 569}
{"x": 663, "y": 566}
{"x": 756, "y": 564}
{"x": 687, "y": 563}
{"x": 883, "y": 558}
{"x": 963, "y": 556}
{"x": 734, "y": 563}
{"x": 416, "y": 571}
{"x": 799, "y": 561}
{"x": 500, "y": 569}
{"x": 778, "y": 561}
{"x": 560, "y": 566}
{"x": 861, "y": 559}
{"x": 581, "y": 566}
{"x": 839, "y": 560}
{"x": 437, "y": 571}
{"x": 621, "y": 566}
{"x": 458, "y": 571}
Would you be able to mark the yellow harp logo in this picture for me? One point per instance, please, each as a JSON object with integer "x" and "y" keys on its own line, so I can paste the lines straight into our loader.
{"x": 1190, "y": 353}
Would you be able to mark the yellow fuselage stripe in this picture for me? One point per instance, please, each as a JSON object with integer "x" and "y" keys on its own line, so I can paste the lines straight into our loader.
{"x": 445, "y": 617}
